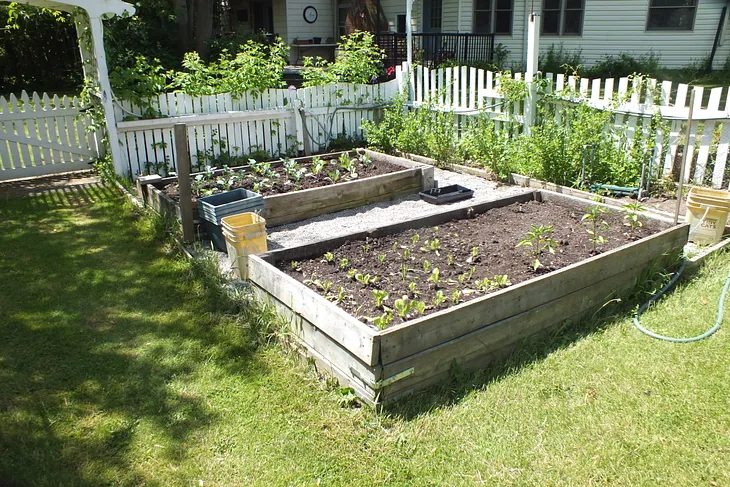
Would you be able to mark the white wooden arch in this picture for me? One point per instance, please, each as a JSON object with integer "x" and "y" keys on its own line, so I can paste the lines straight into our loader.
{"x": 94, "y": 56}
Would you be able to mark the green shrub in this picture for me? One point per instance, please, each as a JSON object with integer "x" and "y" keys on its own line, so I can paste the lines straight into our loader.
{"x": 359, "y": 60}
{"x": 558, "y": 60}
{"x": 482, "y": 143}
{"x": 255, "y": 67}
{"x": 625, "y": 64}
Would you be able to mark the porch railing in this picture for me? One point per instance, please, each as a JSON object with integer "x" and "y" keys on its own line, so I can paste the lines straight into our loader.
{"x": 432, "y": 49}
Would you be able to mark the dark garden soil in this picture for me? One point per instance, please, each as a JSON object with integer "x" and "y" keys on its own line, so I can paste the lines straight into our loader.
{"x": 280, "y": 182}
{"x": 495, "y": 234}
{"x": 666, "y": 203}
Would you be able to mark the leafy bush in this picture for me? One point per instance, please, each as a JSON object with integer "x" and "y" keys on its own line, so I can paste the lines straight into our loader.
{"x": 383, "y": 136}
{"x": 254, "y": 68}
{"x": 140, "y": 83}
{"x": 625, "y": 65}
{"x": 558, "y": 60}
{"x": 359, "y": 60}
{"x": 482, "y": 143}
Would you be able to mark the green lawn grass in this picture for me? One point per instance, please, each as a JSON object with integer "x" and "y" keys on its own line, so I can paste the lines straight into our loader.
{"x": 119, "y": 365}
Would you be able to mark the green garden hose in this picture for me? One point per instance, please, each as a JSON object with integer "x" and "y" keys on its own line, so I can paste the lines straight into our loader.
{"x": 715, "y": 327}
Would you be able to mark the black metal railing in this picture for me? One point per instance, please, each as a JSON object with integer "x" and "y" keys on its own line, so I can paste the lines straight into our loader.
{"x": 433, "y": 49}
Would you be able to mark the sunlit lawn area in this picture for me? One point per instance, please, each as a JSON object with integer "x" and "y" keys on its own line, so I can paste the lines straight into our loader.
{"x": 120, "y": 365}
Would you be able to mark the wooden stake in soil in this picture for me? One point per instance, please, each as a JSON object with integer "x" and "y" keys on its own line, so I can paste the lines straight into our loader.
{"x": 183, "y": 178}
{"x": 684, "y": 156}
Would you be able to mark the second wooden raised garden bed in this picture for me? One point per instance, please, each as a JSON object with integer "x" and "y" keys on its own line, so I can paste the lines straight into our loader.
{"x": 409, "y": 354}
{"x": 403, "y": 177}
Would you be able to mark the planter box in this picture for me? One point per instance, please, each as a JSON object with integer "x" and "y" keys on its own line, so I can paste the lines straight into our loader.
{"x": 300, "y": 205}
{"x": 383, "y": 365}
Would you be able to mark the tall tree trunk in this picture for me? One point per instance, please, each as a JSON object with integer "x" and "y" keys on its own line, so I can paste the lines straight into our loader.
{"x": 182, "y": 19}
{"x": 204, "y": 11}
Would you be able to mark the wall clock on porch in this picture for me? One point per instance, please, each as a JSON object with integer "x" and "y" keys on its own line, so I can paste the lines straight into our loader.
{"x": 310, "y": 14}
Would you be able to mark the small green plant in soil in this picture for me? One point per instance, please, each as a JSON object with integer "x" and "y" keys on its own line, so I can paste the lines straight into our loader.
{"x": 381, "y": 258}
{"x": 595, "y": 224}
{"x": 439, "y": 298}
{"x": 474, "y": 257}
{"x": 365, "y": 160}
{"x": 349, "y": 165}
{"x": 426, "y": 266}
{"x": 456, "y": 296}
{"x": 501, "y": 280}
{"x": 632, "y": 216}
{"x": 380, "y": 296}
{"x": 435, "y": 277}
{"x": 329, "y": 257}
{"x": 418, "y": 306}
{"x": 431, "y": 245}
{"x": 365, "y": 279}
{"x": 450, "y": 259}
{"x": 412, "y": 289}
{"x": 296, "y": 266}
{"x": 352, "y": 273}
{"x": 383, "y": 320}
{"x": 402, "y": 307}
{"x": 334, "y": 176}
{"x": 340, "y": 297}
{"x": 538, "y": 240}
{"x": 317, "y": 165}
{"x": 344, "y": 263}
{"x": 415, "y": 239}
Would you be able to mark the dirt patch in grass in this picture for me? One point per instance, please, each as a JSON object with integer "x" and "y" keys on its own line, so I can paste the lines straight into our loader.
{"x": 465, "y": 252}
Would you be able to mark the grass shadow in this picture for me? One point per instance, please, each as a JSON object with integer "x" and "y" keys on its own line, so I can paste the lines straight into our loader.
{"x": 101, "y": 327}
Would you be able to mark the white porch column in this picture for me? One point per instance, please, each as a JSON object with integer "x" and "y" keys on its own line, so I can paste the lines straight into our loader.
{"x": 409, "y": 32}
{"x": 533, "y": 48}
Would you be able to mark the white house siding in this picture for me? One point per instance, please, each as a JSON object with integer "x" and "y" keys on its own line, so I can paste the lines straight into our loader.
{"x": 290, "y": 24}
{"x": 619, "y": 26}
{"x": 609, "y": 27}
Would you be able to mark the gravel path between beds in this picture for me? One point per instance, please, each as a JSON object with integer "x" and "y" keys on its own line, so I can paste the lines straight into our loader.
{"x": 379, "y": 214}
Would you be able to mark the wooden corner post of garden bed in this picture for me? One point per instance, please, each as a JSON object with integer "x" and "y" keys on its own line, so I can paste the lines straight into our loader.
{"x": 183, "y": 175}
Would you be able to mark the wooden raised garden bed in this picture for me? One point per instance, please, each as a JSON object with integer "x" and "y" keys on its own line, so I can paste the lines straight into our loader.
{"x": 397, "y": 177}
{"x": 409, "y": 354}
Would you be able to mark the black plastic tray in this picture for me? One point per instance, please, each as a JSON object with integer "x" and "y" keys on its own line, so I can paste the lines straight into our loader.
{"x": 447, "y": 194}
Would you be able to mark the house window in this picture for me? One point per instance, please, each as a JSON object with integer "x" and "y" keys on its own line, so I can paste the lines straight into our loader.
{"x": 493, "y": 16}
{"x": 343, "y": 8}
{"x": 562, "y": 17}
{"x": 436, "y": 13}
{"x": 401, "y": 27}
{"x": 671, "y": 15}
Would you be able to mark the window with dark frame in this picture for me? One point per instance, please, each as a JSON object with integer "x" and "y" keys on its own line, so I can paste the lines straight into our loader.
{"x": 671, "y": 15}
{"x": 562, "y": 17}
{"x": 493, "y": 16}
{"x": 343, "y": 8}
{"x": 436, "y": 14}
{"x": 401, "y": 24}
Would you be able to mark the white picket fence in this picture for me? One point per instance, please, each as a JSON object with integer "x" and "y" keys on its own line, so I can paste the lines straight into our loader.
{"x": 44, "y": 135}
{"x": 222, "y": 126}
{"x": 471, "y": 92}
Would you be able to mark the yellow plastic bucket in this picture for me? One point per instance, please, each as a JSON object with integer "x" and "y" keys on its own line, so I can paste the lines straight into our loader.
{"x": 245, "y": 234}
{"x": 710, "y": 197}
{"x": 707, "y": 222}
